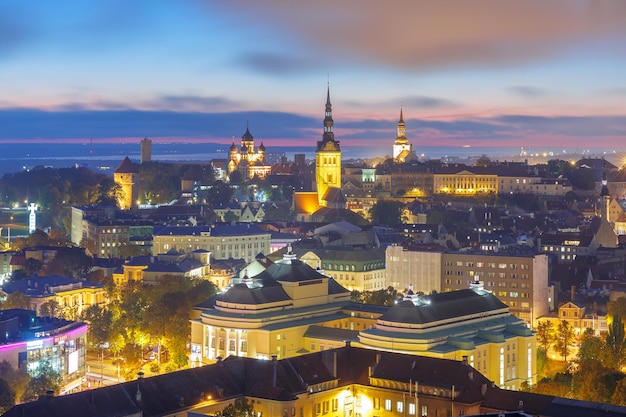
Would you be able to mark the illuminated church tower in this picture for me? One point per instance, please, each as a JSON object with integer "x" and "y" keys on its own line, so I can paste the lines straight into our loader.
{"x": 327, "y": 157}
{"x": 401, "y": 146}
{"x": 126, "y": 177}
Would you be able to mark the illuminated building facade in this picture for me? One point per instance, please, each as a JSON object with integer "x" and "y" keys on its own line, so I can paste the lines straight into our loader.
{"x": 73, "y": 296}
{"x": 247, "y": 159}
{"x": 26, "y": 339}
{"x": 470, "y": 323}
{"x": 327, "y": 157}
{"x": 126, "y": 176}
{"x": 402, "y": 149}
{"x": 519, "y": 281}
{"x": 347, "y": 381}
{"x": 464, "y": 180}
{"x": 268, "y": 314}
{"x": 240, "y": 241}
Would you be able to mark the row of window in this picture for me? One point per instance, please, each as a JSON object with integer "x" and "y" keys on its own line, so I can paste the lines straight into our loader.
{"x": 491, "y": 265}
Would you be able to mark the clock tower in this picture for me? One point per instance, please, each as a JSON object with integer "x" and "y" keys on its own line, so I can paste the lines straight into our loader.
{"x": 327, "y": 156}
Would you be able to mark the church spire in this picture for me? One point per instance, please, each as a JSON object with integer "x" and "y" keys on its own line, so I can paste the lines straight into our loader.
{"x": 329, "y": 135}
{"x": 401, "y": 126}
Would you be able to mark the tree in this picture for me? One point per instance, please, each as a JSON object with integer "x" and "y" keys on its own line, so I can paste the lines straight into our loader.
{"x": 545, "y": 334}
{"x": 483, "y": 161}
{"x": 7, "y": 396}
{"x": 50, "y": 308}
{"x": 616, "y": 344}
{"x": 43, "y": 379}
{"x": 616, "y": 307}
{"x": 591, "y": 348}
{"x": 100, "y": 320}
{"x": 387, "y": 212}
{"x": 240, "y": 408}
{"x": 32, "y": 266}
{"x": 564, "y": 339}
{"x": 16, "y": 300}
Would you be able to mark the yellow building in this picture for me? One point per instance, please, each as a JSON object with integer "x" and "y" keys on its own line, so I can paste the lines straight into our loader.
{"x": 464, "y": 180}
{"x": 287, "y": 309}
{"x": 240, "y": 241}
{"x": 327, "y": 157}
{"x": 126, "y": 176}
{"x": 268, "y": 314}
{"x": 71, "y": 296}
{"x": 150, "y": 269}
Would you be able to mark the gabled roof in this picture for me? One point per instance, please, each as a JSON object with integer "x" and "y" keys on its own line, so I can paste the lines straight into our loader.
{"x": 127, "y": 167}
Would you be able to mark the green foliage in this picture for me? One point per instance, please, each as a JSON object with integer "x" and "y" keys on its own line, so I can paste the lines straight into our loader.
{"x": 43, "y": 379}
{"x": 100, "y": 320}
{"x": 387, "y": 213}
{"x": 219, "y": 194}
{"x": 564, "y": 340}
{"x": 239, "y": 408}
{"x": 16, "y": 300}
{"x": 53, "y": 189}
{"x": 616, "y": 308}
{"x": 545, "y": 335}
{"x": 32, "y": 267}
{"x": 7, "y": 396}
{"x": 50, "y": 308}
{"x": 386, "y": 297}
{"x": 70, "y": 262}
{"x": 17, "y": 380}
{"x": 143, "y": 316}
{"x": 616, "y": 344}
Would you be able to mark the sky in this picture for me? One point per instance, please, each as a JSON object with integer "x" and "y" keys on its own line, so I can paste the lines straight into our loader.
{"x": 533, "y": 74}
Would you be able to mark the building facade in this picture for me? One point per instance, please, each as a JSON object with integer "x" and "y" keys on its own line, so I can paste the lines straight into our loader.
{"x": 26, "y": 340}
{"x": 519, "y": 281}
{"x": 470, "y": 324}
{"x": 126, "y": 176}
{"x": 242, "y": 241}
{"x": 417, "y": 267}
{"x": 268, "y": 314}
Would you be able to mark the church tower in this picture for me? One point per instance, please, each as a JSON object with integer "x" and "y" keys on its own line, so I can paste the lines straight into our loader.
{"x": 126, "y": 177}
{"x": 401, "y": 146}
{"x": 327, "y": 157}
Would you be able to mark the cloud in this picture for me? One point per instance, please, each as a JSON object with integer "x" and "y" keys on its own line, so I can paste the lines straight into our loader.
{"x": 275, "y": 63}
{"x": 278, "y": 127}
{"x": 421, "y": 102}
{"x": 529, "y": 92}
{"x": 427, "y": 35}
{"x": 32, "y": 124}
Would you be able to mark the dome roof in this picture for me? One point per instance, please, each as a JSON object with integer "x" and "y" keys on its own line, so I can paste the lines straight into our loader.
{"x": 247, "y": 136}
{"x": 261, "y": 147}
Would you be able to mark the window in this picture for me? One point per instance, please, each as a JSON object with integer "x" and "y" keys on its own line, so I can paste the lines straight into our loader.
{"x": 411, "y": 409}
{"x": 376, "y": 403}
{"x": 388, "y": 404}
{"x": 400, "y": 407}
{"x": 335, "y": 404}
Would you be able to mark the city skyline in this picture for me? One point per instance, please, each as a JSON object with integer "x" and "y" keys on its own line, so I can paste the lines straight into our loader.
{"x": 516, "y": 74}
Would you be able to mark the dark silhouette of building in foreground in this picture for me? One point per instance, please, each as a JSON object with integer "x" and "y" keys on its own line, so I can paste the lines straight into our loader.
{"x": 338, "y": 382}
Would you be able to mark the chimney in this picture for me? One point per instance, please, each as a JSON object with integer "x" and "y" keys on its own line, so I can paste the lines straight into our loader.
{"x": 573, "y": 292}
{"x": 138, "y": 393}
{"x": 464, "y": 359}
{"x": 49, "y": 394}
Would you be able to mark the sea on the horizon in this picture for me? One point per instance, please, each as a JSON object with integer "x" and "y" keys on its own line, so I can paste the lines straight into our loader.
{"x": 15, "y": 157}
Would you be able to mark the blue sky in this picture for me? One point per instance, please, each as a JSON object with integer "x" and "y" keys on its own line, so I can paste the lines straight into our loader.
{"x": 476, "y": 73}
